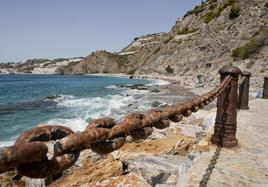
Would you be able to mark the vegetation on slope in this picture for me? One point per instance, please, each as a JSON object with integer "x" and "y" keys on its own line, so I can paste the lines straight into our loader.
{"x": 216, "y": 12}
{"x": 187, "y": 30}
{"x": 120, "y": 59}
{"x": 234, "y": 12}
{"x": 258, "y": 40}
{"x": 214, "y": 9}
{"x": 169, "y": 69}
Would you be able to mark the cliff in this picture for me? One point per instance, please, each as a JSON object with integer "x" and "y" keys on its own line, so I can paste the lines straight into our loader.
{"x": 214, "y": 33}
{"x": 99, "y": 62}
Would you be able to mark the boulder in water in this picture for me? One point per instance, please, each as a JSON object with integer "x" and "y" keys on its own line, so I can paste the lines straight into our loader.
{"x": 51, "y": 97}
{"x": 155, "y": 104}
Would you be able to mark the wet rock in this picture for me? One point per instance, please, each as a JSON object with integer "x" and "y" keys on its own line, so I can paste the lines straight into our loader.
{"x": 159, "y": 179}
{"x": 51, "y": 97}
{"x": 155, "y": 104}
{"x": 155, "y": 90}
{"x": 134, "y": 86}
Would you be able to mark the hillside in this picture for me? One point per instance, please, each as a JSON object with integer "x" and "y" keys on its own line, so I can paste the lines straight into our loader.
{"x": 214, "y": 33}
{"x": 99, "y": 62}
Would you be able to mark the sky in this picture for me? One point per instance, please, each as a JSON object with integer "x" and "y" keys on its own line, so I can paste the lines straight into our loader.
{"x": 71, "y": 28}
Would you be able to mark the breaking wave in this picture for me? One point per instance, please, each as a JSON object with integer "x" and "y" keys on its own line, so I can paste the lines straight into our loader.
{"x": 82, "y": 110}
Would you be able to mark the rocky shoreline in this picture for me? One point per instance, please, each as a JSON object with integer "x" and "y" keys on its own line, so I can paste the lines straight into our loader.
{"x": 159, "y": 160}
{"x": 141, "y": 163}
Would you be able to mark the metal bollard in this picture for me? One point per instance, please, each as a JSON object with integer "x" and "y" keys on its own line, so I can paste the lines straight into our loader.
{"x": 265, "y": 88}
{"x": 225, "y": 125}
{"x": 244, "y": 91}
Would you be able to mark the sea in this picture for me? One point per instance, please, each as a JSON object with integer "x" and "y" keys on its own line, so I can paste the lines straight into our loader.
{"x": 27, "y": 101}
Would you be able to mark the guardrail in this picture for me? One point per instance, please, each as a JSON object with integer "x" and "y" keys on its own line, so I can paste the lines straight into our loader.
{"x": 48, "y": 150}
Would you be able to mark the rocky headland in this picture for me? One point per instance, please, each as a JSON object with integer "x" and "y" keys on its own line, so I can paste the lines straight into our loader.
{"x": 211, "y": 35}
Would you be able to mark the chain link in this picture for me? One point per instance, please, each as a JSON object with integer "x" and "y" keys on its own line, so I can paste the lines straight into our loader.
{"x": 211, "y": 166}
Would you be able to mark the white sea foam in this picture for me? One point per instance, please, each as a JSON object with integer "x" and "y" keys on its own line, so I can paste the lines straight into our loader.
{"x": 112, "y": 86}
{"x": 64, "y": 97}
{"x": 82, "y": 109}
{"x": 59, "y": 98}
{"x": 7, "y": 143}
{"x": 158, "y": 82}
{"x": 110, "y": 101}
{"x": 76, "y": 124}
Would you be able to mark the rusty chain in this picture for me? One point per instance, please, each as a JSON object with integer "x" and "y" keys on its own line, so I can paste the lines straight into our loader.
{"x": 48, "y": 150}
{"x": 211, "y": 166}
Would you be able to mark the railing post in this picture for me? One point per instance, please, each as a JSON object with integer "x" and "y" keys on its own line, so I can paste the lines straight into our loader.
{"x": 265, "y": 88}
{"x": 225, "y": 125}
{"x": 244, "y": 91}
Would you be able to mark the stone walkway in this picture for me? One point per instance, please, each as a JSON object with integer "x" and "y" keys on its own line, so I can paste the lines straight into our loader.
{"x": 245, "y": 165}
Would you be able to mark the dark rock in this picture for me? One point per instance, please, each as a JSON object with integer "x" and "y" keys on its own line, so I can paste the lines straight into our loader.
{"x": 159, "y": 179}
{"x": 155, "y": 104}
{"x": 134, "y": 86}
{"x": 154, "y": 91}
{"x": 51, "y": 97}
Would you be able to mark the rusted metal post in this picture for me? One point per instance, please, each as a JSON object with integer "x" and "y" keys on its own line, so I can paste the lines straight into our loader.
{"x": 265, "y": 88}
{"x": 244, "y": 91}
{"x": 225, "y": 125}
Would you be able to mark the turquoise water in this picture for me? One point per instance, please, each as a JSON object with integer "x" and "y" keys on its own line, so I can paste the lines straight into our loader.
{"x": 71, "y": 100}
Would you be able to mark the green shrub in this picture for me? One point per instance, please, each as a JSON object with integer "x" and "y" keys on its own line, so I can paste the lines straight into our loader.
{"x": 167, "y": 39}
{"x": 132, "y": 71}
{"x": 217, "y": 12}
{"x": 208, "y": 16}
{"x": 234, "y": 12}
{"x": 197, "y": 9}
{"x": 59, "y": 59}
{"x": 229, "y": 3}
{"x": 253, "y": 46}
{"x": 212, "y": 6}
{"x": 245, "y": 51}
{"x": 119, "y": 59}
{"x": 186, "y": 30}
{"x": 169, "y": 69}
{"x": 211, "y": 1}
{"x": 177, "y": 42}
